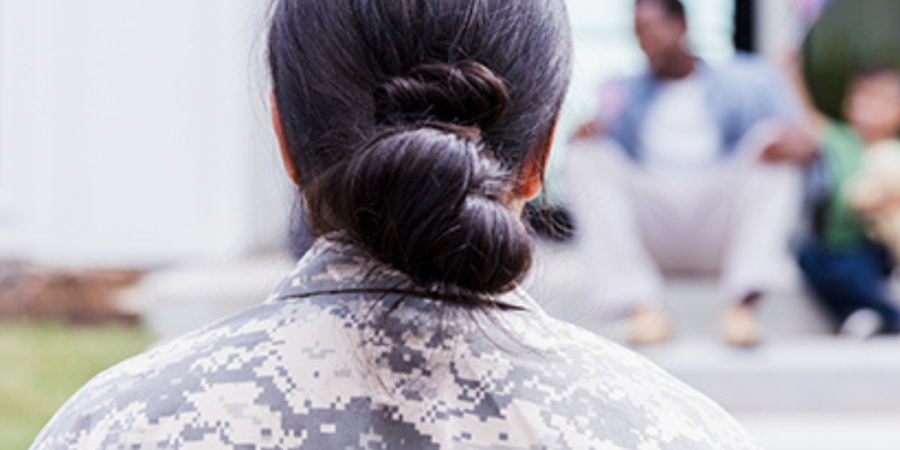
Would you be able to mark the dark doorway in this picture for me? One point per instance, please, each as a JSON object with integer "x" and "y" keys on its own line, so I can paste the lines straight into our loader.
{"x": 745, "y": 25}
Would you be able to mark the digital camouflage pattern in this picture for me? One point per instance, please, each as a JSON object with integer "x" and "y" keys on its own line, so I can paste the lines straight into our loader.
{"x": 329, "y": 363}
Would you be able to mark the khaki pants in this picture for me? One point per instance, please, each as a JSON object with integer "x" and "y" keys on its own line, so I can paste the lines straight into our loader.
{"x": 733, "y": 218}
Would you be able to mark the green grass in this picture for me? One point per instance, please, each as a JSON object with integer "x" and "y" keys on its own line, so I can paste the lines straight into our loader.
{"x": 43, "y": 364}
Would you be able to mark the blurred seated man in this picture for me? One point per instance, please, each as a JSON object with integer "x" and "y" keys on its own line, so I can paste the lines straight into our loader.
{"x": 699, "y": 185}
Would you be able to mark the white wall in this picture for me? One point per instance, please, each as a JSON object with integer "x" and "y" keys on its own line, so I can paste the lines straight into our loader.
{"x": 779, "y": 28}
{"x": 135, "y": 132}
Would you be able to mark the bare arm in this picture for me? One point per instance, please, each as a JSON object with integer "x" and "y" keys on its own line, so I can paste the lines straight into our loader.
{"x": 814, "y": 121}
{"x": 612, "y": 101}
{"x": 797, "y": 143}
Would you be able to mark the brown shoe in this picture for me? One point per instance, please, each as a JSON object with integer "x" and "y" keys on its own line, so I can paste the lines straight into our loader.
{"x": 649, "y": 326}
{"x": 740, "y": 327}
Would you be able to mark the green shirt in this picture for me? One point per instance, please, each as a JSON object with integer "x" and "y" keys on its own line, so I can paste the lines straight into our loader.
{"x": 843, "y": 151}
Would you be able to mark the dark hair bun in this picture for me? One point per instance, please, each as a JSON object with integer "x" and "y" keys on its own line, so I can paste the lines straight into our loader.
{"x": 425, "y": 195}
{"x": 429, "y": 202}
{"x": 408, "y": 124}
{"x": 466, "y": 94}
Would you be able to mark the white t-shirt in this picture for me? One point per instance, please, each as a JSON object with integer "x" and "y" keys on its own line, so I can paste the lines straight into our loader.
{"x": 679, "y": 131}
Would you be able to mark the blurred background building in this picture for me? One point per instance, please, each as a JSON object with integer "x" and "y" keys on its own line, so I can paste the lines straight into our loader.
{"x": 136, "y": 133}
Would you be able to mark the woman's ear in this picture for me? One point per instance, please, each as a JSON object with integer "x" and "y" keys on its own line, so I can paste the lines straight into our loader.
{"x": 532, "y": 176}
{"x": 282, "y": 142}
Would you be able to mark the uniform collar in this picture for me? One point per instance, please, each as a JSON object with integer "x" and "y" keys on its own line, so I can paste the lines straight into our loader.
{"x": 333, "y": 266}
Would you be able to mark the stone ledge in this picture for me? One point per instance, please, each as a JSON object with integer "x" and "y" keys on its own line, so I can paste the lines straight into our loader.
{"x": 812, "y": 375}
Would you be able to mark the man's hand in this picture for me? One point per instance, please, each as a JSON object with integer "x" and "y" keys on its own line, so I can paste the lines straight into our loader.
{"x": 589, "y": 130}
{"x": 792, "y": 145}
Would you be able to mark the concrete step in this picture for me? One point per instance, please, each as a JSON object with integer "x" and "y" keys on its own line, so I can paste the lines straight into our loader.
{"x": 183, "y": 298}
{"x": 824, "y": 431}
{"x": 799, "y": 368}
{"x": 695, "y": 305}
{"x": 815, "y": 375}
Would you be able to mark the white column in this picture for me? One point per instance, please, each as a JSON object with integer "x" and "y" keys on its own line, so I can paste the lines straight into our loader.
{"x": 778, "y": 28}
{"x": 135, "y": 132}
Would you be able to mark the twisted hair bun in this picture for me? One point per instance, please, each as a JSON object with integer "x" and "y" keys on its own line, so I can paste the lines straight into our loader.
{"x": 425, "y": 194}
{"x": 466, "y": 94}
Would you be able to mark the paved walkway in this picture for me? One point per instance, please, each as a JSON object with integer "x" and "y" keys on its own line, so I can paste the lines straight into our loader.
{"x": 824, "y": 431}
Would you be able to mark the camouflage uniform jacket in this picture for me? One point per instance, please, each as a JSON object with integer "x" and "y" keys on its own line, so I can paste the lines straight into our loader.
{"x": 335, "y": 360}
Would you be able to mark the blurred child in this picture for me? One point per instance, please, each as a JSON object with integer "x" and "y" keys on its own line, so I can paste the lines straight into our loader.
{"x": 843, "y": 262}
